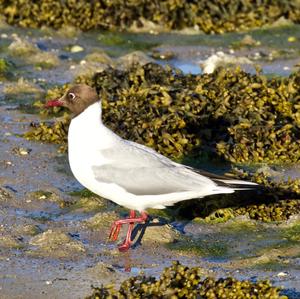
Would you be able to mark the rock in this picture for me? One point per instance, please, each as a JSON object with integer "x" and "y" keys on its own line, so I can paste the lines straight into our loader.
{"x": 7, "y": 241}
{"x": 160, "y": 234}
{"x": 32, "y": 53}
{"x": 163, "y": 54}
{"x": 44, "y": 60}
{"x": 29, "y": 230}
{"x": 220, "y": 59}
{"x": 21, "y": 89}
{"x": 282, "y": 274}
{"x": 4, "y": 195}
{"x": 281, "y": 22}
{"x": 55, "y": 244}
{"x": 100, "y": 57}
{"x": 22, "y": 47}
{"x": 249, "y": 41}
{"x": 144, "y": 25}
{"x": 136, "y": 57}
{"x": 102, "y": 270}
{"x": 101, "y": 220}
{"x": 88, "y": 69}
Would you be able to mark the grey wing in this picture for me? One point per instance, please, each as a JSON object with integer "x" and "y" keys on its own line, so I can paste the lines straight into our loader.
{"x": 142, "y": 171}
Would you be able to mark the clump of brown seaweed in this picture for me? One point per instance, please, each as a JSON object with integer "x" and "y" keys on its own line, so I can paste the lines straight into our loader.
{"x": 276, "y": 211}
{"x": 50, "y": 132}
{"x": 178, "y": 281}
{"x": 216, "y": 16}
{"x": 242, "y": 117}
{"x": 266, "y": 207}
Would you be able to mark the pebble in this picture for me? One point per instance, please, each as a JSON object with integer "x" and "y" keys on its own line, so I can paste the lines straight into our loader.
{"x": 76, "y": 49}
{"x": 292, "y": 39}
{"x": 24, "y": 152}
{"x": 282, "y": 274}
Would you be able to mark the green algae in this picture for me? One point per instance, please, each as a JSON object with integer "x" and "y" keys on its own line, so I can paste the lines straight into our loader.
{"x": 292, "y": 233}
{"x": 83, "y": 193}
{"x": 44, "y": 195}
{"x": 220, "y": 215}
{"x": 88, "y": 204}
{"x": 129, "y": 42}
{"x": 203, "y": 248}
{"x": 101, "y": 220}
{"x": 163, "y": 213}
{"x": 210, "y": 17}
{"x": 178, "y": 281}
{"x": 5, "y": 69}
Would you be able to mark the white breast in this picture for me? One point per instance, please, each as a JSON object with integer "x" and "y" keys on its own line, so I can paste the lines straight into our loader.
{"x": 86, "y": 138}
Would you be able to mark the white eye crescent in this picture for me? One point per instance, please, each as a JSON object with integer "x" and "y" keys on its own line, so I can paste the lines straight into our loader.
{"x": 72, "y": 96}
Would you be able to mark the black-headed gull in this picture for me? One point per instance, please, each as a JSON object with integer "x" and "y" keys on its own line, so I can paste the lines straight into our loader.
{"x": 130, "y": 174}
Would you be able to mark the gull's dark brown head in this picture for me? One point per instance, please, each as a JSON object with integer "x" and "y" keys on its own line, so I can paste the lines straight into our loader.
{"x": 76, "y": 99}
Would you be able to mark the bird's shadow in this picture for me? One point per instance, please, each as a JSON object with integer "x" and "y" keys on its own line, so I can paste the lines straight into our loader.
{"x": 140, "y": 229}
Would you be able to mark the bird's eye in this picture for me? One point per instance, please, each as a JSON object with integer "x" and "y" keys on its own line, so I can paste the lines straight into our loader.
{"x": 71, "y": 96}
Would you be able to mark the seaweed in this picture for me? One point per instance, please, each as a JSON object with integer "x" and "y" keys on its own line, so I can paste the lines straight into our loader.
{"x": 217, "y": 16}
{"x": 178, "y": 281}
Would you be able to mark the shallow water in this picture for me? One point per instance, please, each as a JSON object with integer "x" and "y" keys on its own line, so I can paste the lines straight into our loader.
{"x": 82, "y": 257}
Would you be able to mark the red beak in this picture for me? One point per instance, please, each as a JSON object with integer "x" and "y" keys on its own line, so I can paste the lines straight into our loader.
{"x": 53, "y": 103}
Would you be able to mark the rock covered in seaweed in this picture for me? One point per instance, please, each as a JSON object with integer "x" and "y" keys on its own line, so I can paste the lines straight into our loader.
{"x": 178, "y": 281}
{"x": 243, "y": 117}
{"x": 56, "y": 244}
{"x": 208, "y": 16}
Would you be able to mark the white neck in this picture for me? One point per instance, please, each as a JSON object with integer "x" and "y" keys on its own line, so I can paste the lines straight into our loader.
{"x": 91, "y": 113}
{"x": 87, "y": 131}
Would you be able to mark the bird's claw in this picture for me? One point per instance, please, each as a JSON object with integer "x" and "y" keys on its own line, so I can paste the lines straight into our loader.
{"x": 124, "y": 247}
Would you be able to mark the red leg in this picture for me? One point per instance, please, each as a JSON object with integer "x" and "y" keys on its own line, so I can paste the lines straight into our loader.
{"x": 127, "y": 242}
{"x": 130, "y": 221}
{"x": 115, "y": 229}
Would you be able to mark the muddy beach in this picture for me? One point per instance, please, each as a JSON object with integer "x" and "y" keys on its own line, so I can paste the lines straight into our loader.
{"x": 54, "y": 233}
